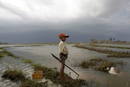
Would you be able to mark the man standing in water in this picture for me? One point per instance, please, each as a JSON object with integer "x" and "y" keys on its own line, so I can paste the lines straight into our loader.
{"x": 63, "y": 53}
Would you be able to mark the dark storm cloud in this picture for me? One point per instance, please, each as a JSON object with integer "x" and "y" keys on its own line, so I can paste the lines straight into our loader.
{"x": 78, "y": 32}
{"x": 99, "y": 19}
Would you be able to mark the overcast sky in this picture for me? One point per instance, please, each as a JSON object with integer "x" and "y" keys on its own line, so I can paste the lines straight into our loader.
{"x": 41, "y": 20}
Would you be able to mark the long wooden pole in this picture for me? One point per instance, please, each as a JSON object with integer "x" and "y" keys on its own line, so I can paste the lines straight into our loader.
{"x": 65, "y": 64}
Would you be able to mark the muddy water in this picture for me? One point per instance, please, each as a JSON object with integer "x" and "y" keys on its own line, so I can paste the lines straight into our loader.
{"x": 41, "y": 54}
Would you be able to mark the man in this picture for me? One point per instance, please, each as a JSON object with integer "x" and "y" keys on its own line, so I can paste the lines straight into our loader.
{"x": 63, "y": 53}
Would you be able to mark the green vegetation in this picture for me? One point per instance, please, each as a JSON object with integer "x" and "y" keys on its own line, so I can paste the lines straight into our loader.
{"x": 1, "y": 48}
{"x": 27, "y": 61}
{"x": 99, "y": 64}
{"x": 119, "y": 55}
{"x": 53, "y": 76}
{"x": 110, "y": 41}
{"x": 4, "y": 52}
{"x": 7, "y": 53}
{"x": 14, "y": 75}
{"x": 31, "y": 83}
{"x": 106, "y": 51}
{"x": 119, "y": 47}
{"x": 49, "y": 73}
{"x": 1, "y": 53}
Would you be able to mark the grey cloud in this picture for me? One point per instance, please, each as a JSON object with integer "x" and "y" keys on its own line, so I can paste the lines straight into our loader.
{"x": 113, "y": 6}
{"x": 112, "y": 22}
{"x": 78, "y": 31}
{"x": 14, "y": 10}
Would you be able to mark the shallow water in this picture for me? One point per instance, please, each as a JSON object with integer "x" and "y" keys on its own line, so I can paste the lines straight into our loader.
{"x": 8, "y": 63}
{"x": 41, "y": 54}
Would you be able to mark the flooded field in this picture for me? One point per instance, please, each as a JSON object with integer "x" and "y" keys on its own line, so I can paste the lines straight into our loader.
{"x": 41, "y": 55}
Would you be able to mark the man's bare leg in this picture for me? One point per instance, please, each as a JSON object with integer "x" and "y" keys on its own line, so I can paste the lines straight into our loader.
{"x": 62, "y": 70}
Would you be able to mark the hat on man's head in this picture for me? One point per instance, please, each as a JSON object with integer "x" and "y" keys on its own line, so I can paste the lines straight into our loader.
{"x": 63, "y": 35}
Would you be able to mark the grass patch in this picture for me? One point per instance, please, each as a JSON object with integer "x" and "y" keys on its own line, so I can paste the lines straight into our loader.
{"x": 86, "y": 64}
{"x": 27, "y": 61}
{"x": 53, "y": 76}
{"x": 31, "y": 83}
{"x": 1, "y": 48}
{"x": 1, "y": 55}
{"x": 48, "y": 73}
{"x": 14, "y": 75}
{"x": 99, "y": 64}
{"x": 119, "y": 55}
{"x": 4, "y": 53}
{"x": 118, "y": 47}
{"x": 7, "y": 53}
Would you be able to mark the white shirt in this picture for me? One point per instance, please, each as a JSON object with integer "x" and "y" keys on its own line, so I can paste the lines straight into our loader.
{"x": 62, "y": 47}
